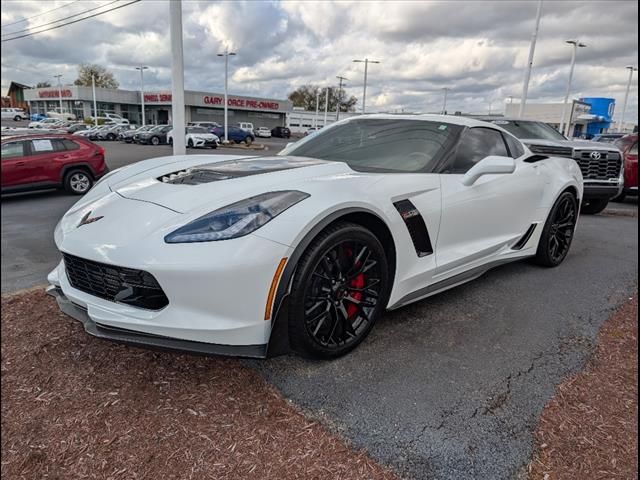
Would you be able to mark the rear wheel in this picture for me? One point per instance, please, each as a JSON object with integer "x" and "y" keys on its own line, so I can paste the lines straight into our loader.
{"x": 248, "y": 140}
{"x": 155, "y": 141}
{"x": 17, "y": 118}
{"x": 557, "y": 234}
{"x": 111, "y": 137}
{"x": 339, "y": 290}
{"x": 594, "y": 206}
{"x": 77, "y": 182}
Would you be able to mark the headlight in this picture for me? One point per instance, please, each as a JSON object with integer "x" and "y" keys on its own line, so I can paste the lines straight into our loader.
{"x": 237, "y": 219}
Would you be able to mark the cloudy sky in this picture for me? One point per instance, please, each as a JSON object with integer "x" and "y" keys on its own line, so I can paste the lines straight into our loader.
{"x": 478, "y": 49}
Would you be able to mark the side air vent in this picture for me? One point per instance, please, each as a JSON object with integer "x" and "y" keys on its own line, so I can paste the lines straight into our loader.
{"x": 535, "y": 158}
{"x": 525, "y": 238}
{"x": 416, "y": 226}
{"x": 552, "y": 150}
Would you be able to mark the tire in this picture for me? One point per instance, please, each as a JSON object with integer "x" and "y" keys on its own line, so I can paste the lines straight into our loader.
{"x": 326, "y": 277}
{"x": 619, "y": 198}
{"x": 214, "y": 145}
{"x": 558, "y": 231}
{"x": 111, "y": 137}
{"x": 77, "y": 181}
{"x": 248, "y": 140}
{"x": 592, "y": 207}
{"x": 155, "y": 141}
{"x": 17, "y": 118}
{"x": 170, "y": 141}
{"x": 190, "y": 143}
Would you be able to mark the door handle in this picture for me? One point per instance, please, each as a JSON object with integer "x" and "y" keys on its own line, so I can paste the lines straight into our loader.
{"x": 20, "y": 164}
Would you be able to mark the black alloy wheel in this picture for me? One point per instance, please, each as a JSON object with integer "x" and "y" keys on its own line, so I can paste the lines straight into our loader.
{"x": 339, "y": 290}
{"x": 155, "y": 141}
{"x": 558, "y": 231}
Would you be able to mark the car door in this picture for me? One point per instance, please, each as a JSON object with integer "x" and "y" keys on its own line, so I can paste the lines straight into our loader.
{"x": 45, "y": 156}
{"x": 14, "y": 164}
{"x": 481, "y": 220}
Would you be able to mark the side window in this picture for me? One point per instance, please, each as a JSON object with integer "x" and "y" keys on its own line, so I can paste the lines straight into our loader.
{"x": 515, "y": 147}
{"x": 12, "y": 150}
{"x": 70, "y": 144}
{"x": 475, "y": 144}
{"x": 41, "y": 146}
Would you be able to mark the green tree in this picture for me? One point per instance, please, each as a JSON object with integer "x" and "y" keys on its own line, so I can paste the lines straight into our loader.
{"x": 104, "y": 78}
{"x": 305, "y": 96}
{"x": 44, "y": 84}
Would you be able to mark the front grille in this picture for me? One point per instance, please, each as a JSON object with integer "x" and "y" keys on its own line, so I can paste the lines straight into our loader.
{"x": 552, "y": 150}
{"x": 117, "y": 284}
{"x": 606, "y": 167}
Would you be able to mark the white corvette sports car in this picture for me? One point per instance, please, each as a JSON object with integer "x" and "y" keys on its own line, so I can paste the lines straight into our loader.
{"x": 254, "y": 256}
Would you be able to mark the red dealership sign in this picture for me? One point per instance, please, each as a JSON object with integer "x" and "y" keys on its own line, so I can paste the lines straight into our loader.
{"x": 241, "y": 102}
{"x": 157, "y": 97}
{"x": 54, "y": 93}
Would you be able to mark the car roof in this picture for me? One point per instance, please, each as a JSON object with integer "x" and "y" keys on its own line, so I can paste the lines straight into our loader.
{"x": 41, "y": 135}
{"x": 452, "y": 119}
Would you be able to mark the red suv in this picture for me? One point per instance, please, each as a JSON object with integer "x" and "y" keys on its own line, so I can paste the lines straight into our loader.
{"x": 34, "y": 162}
{"x": 629, "y": 147}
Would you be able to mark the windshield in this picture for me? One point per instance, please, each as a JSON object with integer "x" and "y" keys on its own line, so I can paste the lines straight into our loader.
{"x": 380, "y": 145}
{"x": 530, "y": 130}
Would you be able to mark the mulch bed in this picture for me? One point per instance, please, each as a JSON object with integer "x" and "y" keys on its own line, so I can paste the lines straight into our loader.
{"x": 78, "y": 407}
{"x": 589, "y": 429}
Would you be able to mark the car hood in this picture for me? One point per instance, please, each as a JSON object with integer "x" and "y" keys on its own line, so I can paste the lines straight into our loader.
{"x": 213, "y": 181}
{"x": 577, "y": 144}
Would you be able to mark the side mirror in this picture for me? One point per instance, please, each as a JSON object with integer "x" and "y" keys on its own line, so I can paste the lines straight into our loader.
{"x": 491, "y": 165}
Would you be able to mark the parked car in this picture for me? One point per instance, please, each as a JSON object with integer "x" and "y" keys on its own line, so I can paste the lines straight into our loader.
{"x": 331, "y": 236}
{"x": 312, "y": 130}
{"x": 263, "y": 132}
{"x": 33, "y": 162}
{"x": 208, "y": 125}
{"x": 46, "y": 123}
{"x": 155, "y": 136}
{"x": 281, "y": 132}
{"x": 607, "y": 137}
{"x": 196, "y": 137}
{"x": 37, "y": 117}
{"x": 15, "y": 114}
{"x": 128, "y": 135}
{"x": 76, "y": 127}
{"x": 64, "y": 116}
{"x": 111, "y": 132}
{"x": 235, "y": 134}
{"x": 87, "y": 132}
{"x": 629, "y": 147}
{"x": 601, "y": 164}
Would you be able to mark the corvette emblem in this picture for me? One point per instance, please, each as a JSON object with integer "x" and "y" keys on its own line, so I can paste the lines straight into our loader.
{"x": 596, "y": 155}
{"x": 86, "y": 220}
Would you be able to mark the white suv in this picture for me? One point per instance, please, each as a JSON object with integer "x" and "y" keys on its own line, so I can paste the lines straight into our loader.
{"x": 16, "y": 114}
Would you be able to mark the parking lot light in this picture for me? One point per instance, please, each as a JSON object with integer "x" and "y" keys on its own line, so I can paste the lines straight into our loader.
{"x": 226, "y": 55}
{"x": 366, "y": 62}
{"x": 142, "y": 68}
{"x": 532, "y": 49}
{"x": 626, "y": 96}
{"x": 444, "y": 103}
{"x": 59, "y": 91}
{"x": 565, "y": 127}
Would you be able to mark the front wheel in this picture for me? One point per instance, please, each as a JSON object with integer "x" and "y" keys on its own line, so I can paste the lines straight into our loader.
{"x": 591, "y": 207}
{"x": 17, "y": 118}
{"x": 155, "y": 141}
{"x": 190, "y": 143}
{"x": 339, "y": 290}
{"x": 558, "y": 231}
{"x": 77, "y": 182}
{"x": 248, "y": 140}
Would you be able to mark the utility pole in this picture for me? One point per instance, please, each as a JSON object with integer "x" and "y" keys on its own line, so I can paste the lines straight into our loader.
{"x": 532, "y": 49}
{"x": 339, "y": 96}
{"x": 366, "y": 62}
{"x": 95, "y": 104}
{"x": 59, "y": 91}
{"x": 226, "y": 55}
{"x": 326, "y": 107}
{"x": 444, "y": 104}
{"x": 626, "y": 96}
{"x": 315, "y": 119}
{"x": 142, "y": 68}
{"x": 177, "y": 77}
{"x": 575, "y": 44}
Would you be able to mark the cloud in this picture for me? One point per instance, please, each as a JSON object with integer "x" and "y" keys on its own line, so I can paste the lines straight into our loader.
{"x": 477, "y": 49}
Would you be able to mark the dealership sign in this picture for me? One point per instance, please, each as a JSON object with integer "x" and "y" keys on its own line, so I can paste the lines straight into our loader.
{"x": 157, "y": 97}
{"x": 54, "y": 93}
{"x": 213, "y": 100}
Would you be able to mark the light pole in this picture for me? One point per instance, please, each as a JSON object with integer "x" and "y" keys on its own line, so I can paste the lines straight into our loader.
{"x": 339, "y": 96}
{"x": 177, "y": 77}
{"x": 315, "y": 119}
{"x": 95, "y": 104}
{"x": 326, "y": 107}
{"x": 366, "y": 62}
{"x": 626, "y": 96}
{"x": 226, "y": 55}
{"x": 59, "y": 91}
{"x": 532, "y": 49}
{"x": 142, "y": 68}
{"x": 575, "y": 44}
{"x": 444, "y": 104}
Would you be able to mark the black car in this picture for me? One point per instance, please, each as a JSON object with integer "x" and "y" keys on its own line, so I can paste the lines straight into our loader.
{"x": 155, "y": 136}
{"x": 282, "y": 132}
{"x": 130, "y": 136}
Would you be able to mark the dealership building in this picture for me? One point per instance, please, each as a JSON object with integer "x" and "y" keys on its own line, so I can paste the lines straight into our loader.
{"x": 199, "y": 106}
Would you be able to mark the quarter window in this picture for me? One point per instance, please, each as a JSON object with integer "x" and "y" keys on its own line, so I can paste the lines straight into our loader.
{"x": 12, "y": 150}
{"x": 476, "y": 144}
{"x": 634, "y": 149}
{"x": 515, "y": 147}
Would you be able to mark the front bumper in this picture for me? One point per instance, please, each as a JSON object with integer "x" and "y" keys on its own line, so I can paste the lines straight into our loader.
{"x": 149, "y": 340}
{"x": 601, "y": 191}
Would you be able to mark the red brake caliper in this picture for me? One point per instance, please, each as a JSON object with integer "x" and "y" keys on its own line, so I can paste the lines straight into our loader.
{"x": 357, "y": 282}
